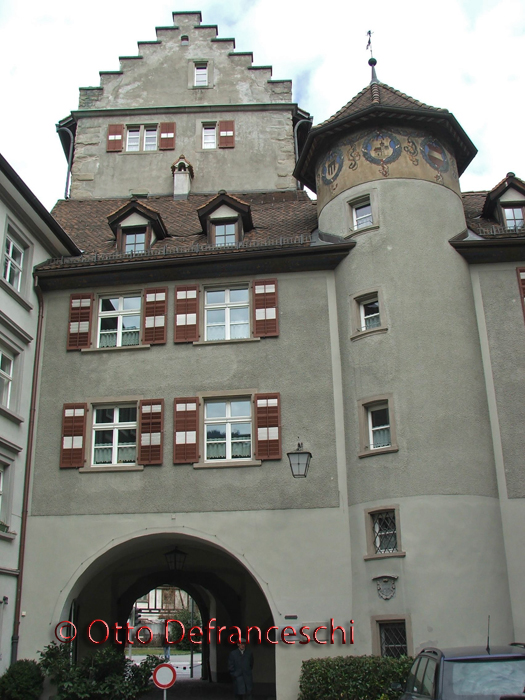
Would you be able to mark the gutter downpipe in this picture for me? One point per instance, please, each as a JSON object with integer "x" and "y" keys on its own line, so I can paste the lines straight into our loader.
{"x": 27, "y": 477}
{"x": 69, "y": 158}
{"x": 296, "y": 143}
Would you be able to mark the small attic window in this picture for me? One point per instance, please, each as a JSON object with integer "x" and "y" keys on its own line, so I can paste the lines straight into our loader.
{"x": 135, "y": 239}
{"x": 185, "y": 40}
{"x": 513, "y": 217}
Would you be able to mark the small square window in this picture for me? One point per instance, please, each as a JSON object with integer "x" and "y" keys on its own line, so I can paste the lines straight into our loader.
{"x": 114, "y": 435}
{"x": 369, "y": 313}
{"x": 225, "y": 234}
{"x": 13, "y": 263}
{"x": 513, "y": 217}
{"x": 362, "y": 215}
{"x": 184, "y": 40}
{"x": 393, "y": 639}
{"x": 227, "y": 313}
{"x": 384, "y": 531}
{"x": 119, "y": 321}
{"x": 6, "y": 378}
{"x": 134, "y": 242}
{"x": 201, "y": 75}
{"x": 228, "y": 429}
{"x": 209, "y": 136}
{"x": 377, "y": 432}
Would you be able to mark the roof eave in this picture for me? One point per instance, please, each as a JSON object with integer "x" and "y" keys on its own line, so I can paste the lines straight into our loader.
{"x": 498, "y": 250}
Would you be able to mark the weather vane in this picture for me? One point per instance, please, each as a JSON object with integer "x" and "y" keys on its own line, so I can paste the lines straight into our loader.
{"x": 369, "y": 45}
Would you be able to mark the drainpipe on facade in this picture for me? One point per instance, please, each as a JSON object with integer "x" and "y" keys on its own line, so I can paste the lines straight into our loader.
{"x": 69, "y": 158}
{"x": 27, "y": 476}
{"x": 296, "y": 142}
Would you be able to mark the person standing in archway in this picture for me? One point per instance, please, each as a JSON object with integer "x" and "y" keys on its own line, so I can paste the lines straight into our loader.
{"x": 240, "y": 665}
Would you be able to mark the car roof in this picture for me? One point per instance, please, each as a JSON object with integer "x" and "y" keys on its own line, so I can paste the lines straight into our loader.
{"x": 475, "y": 651}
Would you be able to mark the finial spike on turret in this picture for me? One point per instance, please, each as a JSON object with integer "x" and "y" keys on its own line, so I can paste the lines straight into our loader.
{"x": 372, "y": 62}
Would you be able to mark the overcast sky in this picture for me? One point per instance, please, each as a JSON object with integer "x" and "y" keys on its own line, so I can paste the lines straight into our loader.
{"x": 464, "y": 55}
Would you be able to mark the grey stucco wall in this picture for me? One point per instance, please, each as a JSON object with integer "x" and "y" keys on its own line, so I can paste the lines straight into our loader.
{"x": 429, "y": 359}
{"x": 297, "y": 364}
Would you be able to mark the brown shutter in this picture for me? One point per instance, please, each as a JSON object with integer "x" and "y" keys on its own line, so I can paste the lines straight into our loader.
{"x": 267, "y": 426}
{"x": 186, "y": 431}
{"x": 167, "y": 136}
{"x": 154, "y": 319}
{"x": 521, "y": 280}
{"x": 227, "y": 134}
{"x": 186, "y": 313}
{"x": 79, "y": 326}
{"x": 151, "y": 431}
{"x": 265, "y": 309}
{"x": 72, "y": 448}
{"x": 115, "y": 137}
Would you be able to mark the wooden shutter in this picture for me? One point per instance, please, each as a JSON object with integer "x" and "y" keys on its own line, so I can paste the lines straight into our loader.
{"x": 167, "y": 136}
{"x": 72, "y": 449}
{"x": 151, "y": 431}
{"x": 186, "y": 431}
{"x": 267, "y": 426}
{"x": 265, "y": 309}
{"x": 186, "y": 313}
{"x": 115, "y": 137}
{"x": 79, "y": 326}
{"x": 154, "y": 318}
{"x": 227, "y": 134}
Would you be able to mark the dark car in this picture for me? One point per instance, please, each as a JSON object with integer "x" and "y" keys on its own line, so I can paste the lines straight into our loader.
{"x": 468, "y": 673}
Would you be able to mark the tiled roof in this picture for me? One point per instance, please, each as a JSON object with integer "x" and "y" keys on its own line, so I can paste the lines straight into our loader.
{"x": 488, "y": 228}
{"x": 275, "y": 215}
{"x": 379, "y": 94}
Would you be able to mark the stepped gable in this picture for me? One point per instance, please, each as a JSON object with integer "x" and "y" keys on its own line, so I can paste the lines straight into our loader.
{"x": 275, "y": 214}
{"x": 378, "y": 94}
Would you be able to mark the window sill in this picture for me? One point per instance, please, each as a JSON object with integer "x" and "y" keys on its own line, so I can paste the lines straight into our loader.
{"x": 385, "y": 555}
{"x": 226, "y": 342}
{"x": 96, "y": 470}
{"x": 11, "y": 415}
{"x": 8, "y": 536}
{"x": 359, "y": 231}
{"x": 379, "y": 451}
{"x": 16, "y": 295}
{"x": 122, "y": 347}
{"x": 371, "y": 331}
{"x": 136, "y": 153}
{"x": 228, "y": 463}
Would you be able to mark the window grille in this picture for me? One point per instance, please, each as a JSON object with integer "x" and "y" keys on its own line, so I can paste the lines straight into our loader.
{"x": 385, "y": 532}
{"x": 393, "y": 637}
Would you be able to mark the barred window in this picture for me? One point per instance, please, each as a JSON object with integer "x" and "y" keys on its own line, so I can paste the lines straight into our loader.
{"x": 393, "y": 637}
{"x": 385, "y": 531}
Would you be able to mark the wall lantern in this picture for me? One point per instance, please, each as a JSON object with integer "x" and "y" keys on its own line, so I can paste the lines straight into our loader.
{"x": 175, "y": 559}
{"x": 299, "y": 461}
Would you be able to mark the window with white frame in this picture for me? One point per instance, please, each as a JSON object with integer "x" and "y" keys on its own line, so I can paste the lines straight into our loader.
{"x": 384, "y": 531}
{"x": 369, "y": 313}
{"x": 378, "y": 426}
{"x": 209, "y": 136}
{"x": 225, "y": 234}
{"x": 362, "y": 215}
{"x": 228, "y": 429}
{"x": 119, "y": 321}
{"x": 513, "y": 217}
{"x": 227, "y": 313}
{"x": 6, "y": 378}
{"x": 114, "y": 435}
{"x": 201, "y": 75}
{"x": 141, "y": 138}
{"x": 13, "y": 262}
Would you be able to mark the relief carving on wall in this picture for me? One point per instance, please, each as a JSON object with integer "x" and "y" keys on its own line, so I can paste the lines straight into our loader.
{"x": 386, "y": 586}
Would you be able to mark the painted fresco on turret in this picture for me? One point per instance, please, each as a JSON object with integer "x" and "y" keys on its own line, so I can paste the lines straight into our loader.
{"x": 375, "y": 154}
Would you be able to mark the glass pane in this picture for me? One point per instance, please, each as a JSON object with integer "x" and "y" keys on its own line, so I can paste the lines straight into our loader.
{"x": 481, "y": 679}
{"x": 130, "y": 338}
{"x": 103, "y": 437}
{"x": 109, "y": 305}
{"x": 241, "y": 431}
{"x": 130, "y": 323}
{"x": 108, "y": 340}
{"x": 127, "y": 436}
{"x": 215, "y": 297}
{"x": 150, "y": 140}
{"x": 16, "y": 254}
{"x": 239, "y": 295}
{"x": 379, "y": 417}
{"x": 240, "y": 409}
{"x": 381, "y": 437}
{"x": 4, "y": 392}
{"x": 239, "y": 315}
{"x": 216, "y": 409}
{"x": 240, "y": 331}
{"x": 372, "y": 322}
{"x": 130, "y": 303}
{"x": 104, "y": 415}
{"x": 126, "y": 455}
{"x": 216, "y": 450}
{"x": 215, "y": 316}
{"x": 241, "y": 450}
{"x": 6, "y": 364}
{"x": 133, "y": 140}
{"x": 216, "y": 333}
{"x": 109, "y": 324}
{"x": 102, "y": 455}
{"x": 371, "y": 307}
{"x": 127, "y": 414}
{"x": 14, "y": 277}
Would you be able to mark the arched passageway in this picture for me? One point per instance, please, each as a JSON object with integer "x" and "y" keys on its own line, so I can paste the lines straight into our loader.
{"x": 220, "y": 584}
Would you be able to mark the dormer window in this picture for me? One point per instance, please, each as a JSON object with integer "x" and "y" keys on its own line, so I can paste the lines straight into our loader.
{"x": 134, "y": 240}
{"x": 225, "y": 219}
{"x": 136, "y": 227}
{"x": 225, "y": 234}
{"x": 513, "y": 217}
